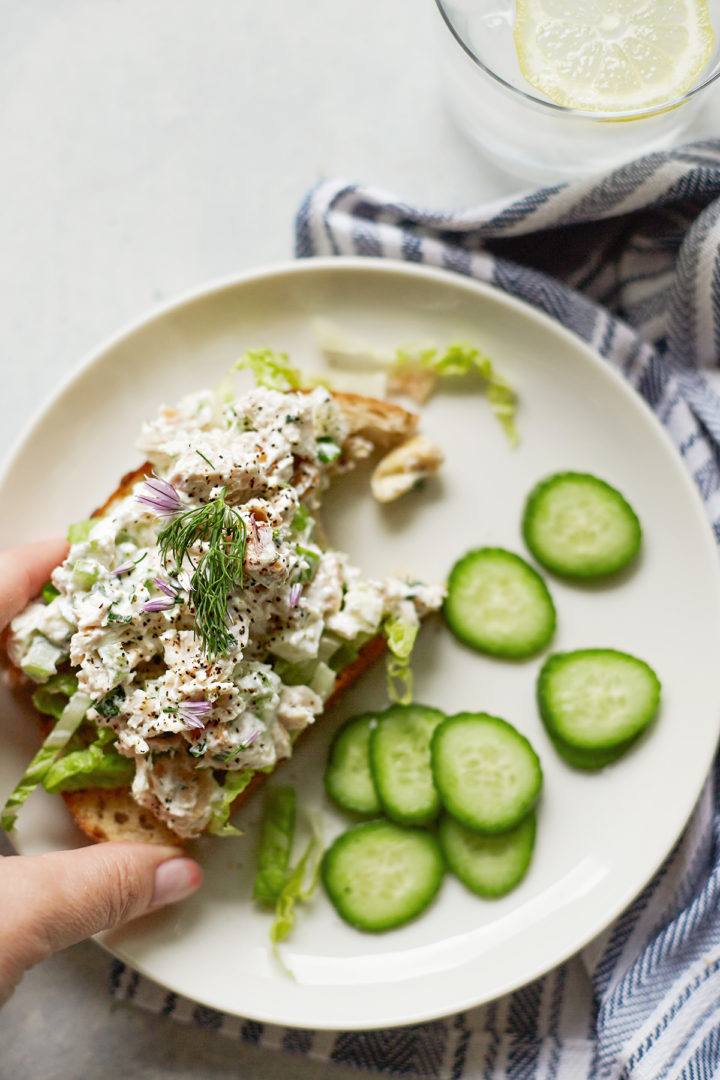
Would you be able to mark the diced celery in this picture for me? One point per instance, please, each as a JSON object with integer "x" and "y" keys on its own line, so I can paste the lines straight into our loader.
{"x": 343, "y": 657}
{"x": 295, "y": 674}
{"x": 85, "y": 572}
{"x": 114, "y": 659}
{"x": 40, "y": 661}
{"x": 323, "y": 681}
{"x": 328, "y": 647}
{"x": 80, "y": 531}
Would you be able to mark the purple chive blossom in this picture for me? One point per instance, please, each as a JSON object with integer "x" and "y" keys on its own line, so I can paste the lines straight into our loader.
{"x": 244, "y": 745}
{"x": 160, "y": 496}
{"x": 193, "y": 712}
{"x": 259, "y": 535}
{"x": 123, "y": 568}
{"x": 295, "y": 593}
{"x": 164, "y": 586}
{"x": 159, "y": 603}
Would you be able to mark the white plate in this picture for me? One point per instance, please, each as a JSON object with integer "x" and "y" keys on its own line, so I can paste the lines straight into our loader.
{"x": 600, "y": 837}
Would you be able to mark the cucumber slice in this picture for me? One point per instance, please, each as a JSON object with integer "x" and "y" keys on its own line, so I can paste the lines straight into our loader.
{"x": 488, "y": 865}
{"x": 596, "y": 701}
{"x": 580, "y": 527}
{"x": 379, "y": 875}
{"x": 498, "y": 604}
{"x": 400, "y": 763}
{"x": 590, "y": 760}
{"x": 488, "y": 775}
{"x": 348, "y": 779}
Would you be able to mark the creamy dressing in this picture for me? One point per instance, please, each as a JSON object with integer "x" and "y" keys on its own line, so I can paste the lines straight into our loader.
{"x": 145, "y": 670}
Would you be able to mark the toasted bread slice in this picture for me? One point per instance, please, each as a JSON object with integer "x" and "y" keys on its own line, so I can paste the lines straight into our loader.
{"x": 113, "y": 814}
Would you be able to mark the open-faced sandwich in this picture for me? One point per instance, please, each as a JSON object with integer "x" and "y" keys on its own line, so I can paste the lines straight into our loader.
{"x": 199, "y": 624}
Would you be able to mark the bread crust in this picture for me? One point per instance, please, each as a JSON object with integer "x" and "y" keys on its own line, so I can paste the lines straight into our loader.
{"x": 112, "y": 813}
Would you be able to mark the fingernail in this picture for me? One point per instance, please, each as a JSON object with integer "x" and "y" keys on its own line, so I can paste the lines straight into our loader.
{"x": 174, "y": 880}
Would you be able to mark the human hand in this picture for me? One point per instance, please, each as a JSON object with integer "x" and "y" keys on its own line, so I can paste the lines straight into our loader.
{"x": 48, "y": 902}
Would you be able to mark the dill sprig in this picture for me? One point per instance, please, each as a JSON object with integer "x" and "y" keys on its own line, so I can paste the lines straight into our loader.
{"x": 217, "y": 571}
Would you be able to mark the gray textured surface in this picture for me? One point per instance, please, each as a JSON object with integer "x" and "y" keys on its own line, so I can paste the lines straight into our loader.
{"x": 149, "y": 147}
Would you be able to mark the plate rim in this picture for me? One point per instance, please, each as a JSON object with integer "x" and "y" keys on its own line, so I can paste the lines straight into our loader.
{"x": 398, "y": 268}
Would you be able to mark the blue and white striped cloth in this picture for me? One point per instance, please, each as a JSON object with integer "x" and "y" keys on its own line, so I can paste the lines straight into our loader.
{"x": 631, "y": 262}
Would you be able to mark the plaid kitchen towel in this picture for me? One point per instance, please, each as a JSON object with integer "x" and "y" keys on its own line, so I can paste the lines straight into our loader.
{"x": 629, "y": 261}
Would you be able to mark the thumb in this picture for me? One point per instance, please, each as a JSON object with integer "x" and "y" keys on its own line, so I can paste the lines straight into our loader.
{"x": 55, "y": 900}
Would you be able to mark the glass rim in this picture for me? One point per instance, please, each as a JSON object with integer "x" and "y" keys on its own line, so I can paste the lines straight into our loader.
{"x": 587, "y": 114}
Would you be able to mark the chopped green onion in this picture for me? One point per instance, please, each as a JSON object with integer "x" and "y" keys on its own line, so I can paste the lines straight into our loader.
{"x": 328, "y": 451}
{"x": 301, "y": 519}
{"x": 108, "y": 706}
{"x": 49, "y": 592}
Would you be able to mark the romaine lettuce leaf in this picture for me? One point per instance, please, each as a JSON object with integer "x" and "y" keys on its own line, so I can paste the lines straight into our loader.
{"x": 53, "y": 696}
{"x": 97, "y": 765}
{"x": 70, "y": 720}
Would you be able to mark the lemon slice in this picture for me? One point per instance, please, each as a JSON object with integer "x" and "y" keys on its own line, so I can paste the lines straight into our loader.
{"x": 612, "y": 55}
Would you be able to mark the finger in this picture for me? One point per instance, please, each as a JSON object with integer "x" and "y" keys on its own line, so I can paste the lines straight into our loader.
{"x": 23, "y": 572}
{"x": 55, "y": 900}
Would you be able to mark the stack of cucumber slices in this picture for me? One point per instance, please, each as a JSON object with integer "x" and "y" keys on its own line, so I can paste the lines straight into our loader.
{"x": 459, "y": 792}
{"x": 472, "y": 774}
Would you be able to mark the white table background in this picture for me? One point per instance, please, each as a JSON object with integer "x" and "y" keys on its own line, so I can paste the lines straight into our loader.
{"x": 147, "y": 147}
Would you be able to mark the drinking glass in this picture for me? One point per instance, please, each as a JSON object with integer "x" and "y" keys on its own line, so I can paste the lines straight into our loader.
{"x": 526, "y": 132}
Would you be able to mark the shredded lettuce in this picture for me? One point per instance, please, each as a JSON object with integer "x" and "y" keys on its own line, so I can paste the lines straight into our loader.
{"x": 460, "y": 359}
{"x": 294, "y": 888}
{"x": 400, "y": 637}
{"x": 70, "y": 720}
{"x": 271, "y": 369}
{"x": 235, "y": 783}
{"x": 277, "y": 884}
{"x": 456, "y": 360}
{"x": 97, "y": 765}
{"x": 276, "y": 840}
